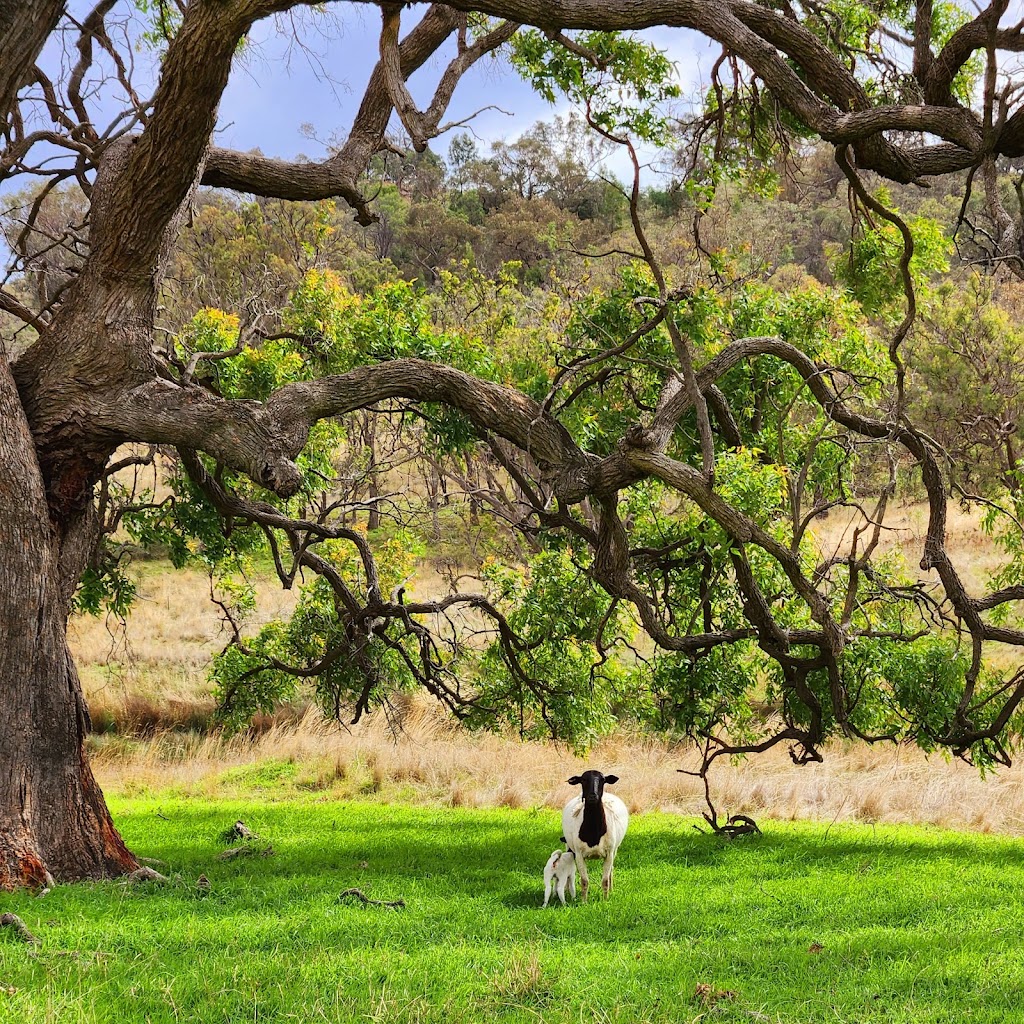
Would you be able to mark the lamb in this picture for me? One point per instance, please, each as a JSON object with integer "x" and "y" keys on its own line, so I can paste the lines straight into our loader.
{"x": 594, "y": 825}
{"x": 561, "y": 870}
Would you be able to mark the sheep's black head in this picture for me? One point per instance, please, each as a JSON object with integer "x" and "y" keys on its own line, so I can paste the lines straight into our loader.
{"x": 593, "y": 784}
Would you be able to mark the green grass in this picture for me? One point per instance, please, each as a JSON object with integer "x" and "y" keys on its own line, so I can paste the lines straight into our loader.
{"x": 913, "y": 924}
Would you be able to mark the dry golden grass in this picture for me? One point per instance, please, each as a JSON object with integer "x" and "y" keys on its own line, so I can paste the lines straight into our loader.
{"x": 156, "y": 676}
{"x": 972, "y": 550}
{"x": 430, "y": 762}
{"x": 162, "y": 652}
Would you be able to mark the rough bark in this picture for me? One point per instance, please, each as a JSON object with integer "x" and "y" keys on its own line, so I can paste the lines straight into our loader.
{"x": 54, "y": 823}
{"x": 24, "y": 28}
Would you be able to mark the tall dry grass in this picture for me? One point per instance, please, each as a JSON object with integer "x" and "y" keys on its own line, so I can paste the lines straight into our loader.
{"x": 147, "y": 686}
{"x": 429, "y": 761}
{"x": 159, "y": 656}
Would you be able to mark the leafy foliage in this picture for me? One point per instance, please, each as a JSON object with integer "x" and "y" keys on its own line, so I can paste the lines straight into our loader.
{"x": 870, "y": 268}
{"x": 620, "y": 80}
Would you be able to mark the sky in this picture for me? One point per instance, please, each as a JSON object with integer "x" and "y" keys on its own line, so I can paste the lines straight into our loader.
{"x": 314, "y": 76}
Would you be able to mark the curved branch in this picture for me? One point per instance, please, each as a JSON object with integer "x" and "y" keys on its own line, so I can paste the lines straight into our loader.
{"x": 263, "y": 439}
{"x": 338, "y": 175}
{"x": 423, "y": 126}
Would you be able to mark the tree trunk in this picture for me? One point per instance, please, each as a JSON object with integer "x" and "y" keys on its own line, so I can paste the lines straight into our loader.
{"x": 54, "y": 823}
{"x": 372, "y": 477}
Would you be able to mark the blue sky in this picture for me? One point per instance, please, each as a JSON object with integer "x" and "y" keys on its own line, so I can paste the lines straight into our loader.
{"x": 315, "y": 76}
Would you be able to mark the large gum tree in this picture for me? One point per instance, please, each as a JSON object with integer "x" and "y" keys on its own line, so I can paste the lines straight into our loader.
{"x": 93, "y": 380}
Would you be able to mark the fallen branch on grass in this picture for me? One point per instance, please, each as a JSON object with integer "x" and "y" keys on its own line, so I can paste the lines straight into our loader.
{"x": 735, "y": 825}
{"x": 240, "y": 831}
{"x": 15, "y": 922}
{"x": 739, "y": 825}
{"x": 711, "y": 996}
{"x": 397, "y": 904}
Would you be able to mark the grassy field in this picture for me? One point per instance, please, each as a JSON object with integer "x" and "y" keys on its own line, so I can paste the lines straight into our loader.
{"x": 807, "y": 923}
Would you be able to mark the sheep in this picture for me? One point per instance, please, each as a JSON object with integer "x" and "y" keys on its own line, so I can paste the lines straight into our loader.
{"x": 561, "y": 870}
{"x": 594, "y": 825}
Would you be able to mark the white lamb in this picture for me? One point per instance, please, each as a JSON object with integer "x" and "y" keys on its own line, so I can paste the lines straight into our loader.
{"x": 594, "y": 825}
{"x": 560, "y": 870}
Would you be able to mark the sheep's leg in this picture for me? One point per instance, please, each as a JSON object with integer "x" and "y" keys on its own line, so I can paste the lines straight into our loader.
{"x": 606, "y": 878}
{"x": 584, "y": 880}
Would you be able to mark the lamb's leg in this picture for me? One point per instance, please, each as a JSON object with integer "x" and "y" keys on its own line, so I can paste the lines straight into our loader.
{"x": 547, "y": 889}
{"x": 572, "y": 882}
{"x": 561, "y": 888}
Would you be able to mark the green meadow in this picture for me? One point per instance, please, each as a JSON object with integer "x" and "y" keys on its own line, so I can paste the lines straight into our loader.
{"x": 805, "y": 923}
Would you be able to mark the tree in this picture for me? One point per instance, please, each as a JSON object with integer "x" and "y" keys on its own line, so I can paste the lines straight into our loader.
{"x": 95, "y": 377}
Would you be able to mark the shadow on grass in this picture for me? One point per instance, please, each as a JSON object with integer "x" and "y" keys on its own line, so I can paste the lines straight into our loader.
{"x": 459, "y": 854}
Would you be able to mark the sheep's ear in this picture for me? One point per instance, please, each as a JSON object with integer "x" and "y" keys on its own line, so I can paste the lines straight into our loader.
{"x": 610, "y": 779}
{"x": 575, "y": 781}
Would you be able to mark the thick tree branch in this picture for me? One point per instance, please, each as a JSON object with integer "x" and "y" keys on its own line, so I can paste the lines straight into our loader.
{"x": 338, "y": 175}
{"x": 24, "y": 29}
{"x": 262, "y": 439}
{"x": 423, "y": 126}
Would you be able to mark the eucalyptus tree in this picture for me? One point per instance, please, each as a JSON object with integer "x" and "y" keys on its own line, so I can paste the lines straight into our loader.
{"x": 885, "y": 85}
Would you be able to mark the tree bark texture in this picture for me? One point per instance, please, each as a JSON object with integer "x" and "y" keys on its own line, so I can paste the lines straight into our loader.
{"x": 54, "y": 824}
{"x": 24, "y": 29}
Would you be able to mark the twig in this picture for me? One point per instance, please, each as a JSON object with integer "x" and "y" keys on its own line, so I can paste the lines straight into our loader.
{"x": 15, "y": 922}
{"x": 398, "y": 904}
{"x": 145, "y": 874}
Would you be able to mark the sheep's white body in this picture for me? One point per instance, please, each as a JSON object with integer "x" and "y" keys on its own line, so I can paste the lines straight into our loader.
{"x": 560, "y": 871}
{"x": 616, "y": 820}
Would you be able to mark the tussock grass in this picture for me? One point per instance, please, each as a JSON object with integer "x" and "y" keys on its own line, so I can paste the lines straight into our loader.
{"x": 847, "y": 923}
{"x": 431, "y": 763}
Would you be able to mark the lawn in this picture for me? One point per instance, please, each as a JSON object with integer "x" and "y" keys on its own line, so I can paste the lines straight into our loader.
{"x": 806, "y": 923}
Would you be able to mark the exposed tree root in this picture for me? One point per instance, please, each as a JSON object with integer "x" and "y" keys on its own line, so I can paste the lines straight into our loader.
{"x": 145, "y": 874}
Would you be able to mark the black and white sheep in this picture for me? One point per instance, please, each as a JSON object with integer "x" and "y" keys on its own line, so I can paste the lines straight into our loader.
{"x": 560, "y": 871}
{"x": 594, "y": 825}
